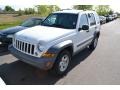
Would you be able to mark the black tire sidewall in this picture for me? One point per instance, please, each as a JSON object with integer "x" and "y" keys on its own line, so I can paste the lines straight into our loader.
{"x": 91, "y": 46}
{"x": 56, "y": 68}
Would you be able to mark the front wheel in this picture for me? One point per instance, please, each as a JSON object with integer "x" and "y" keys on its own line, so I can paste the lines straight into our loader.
{"x": 93, "y": 45}
{"x": 62, "y": 63}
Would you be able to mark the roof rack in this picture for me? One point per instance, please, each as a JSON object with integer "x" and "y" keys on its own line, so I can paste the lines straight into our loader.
{"x": 66, "y": 9}
{"x": 71, "y": 9}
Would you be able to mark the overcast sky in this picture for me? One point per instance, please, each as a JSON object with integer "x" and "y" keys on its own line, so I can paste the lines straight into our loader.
{"x": 16, "y": 4}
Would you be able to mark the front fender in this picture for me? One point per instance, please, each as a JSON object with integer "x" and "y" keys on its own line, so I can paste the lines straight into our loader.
{"x": 60, "y": 46}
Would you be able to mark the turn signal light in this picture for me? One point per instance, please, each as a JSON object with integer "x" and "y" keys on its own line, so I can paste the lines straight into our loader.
{"x": 48, "y": 55}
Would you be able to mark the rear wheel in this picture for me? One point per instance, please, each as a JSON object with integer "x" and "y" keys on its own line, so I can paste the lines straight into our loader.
{"x": 94, "y": 44}
{"x": 62, "y": 63}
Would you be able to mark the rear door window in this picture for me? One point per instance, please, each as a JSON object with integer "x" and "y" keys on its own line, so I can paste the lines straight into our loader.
{"x": 92, "y": 19}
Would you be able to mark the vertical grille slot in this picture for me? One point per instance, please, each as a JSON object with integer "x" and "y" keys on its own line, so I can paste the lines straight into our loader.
{"x": 25, "y": 47}
{"x": 29, "y": 48}
{"x": 32, "y": 51}
{"x": 20, "y": 44}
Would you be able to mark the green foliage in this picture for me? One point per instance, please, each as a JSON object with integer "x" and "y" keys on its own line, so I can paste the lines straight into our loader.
{"x": 40, "y": 11}
{"x": 20, "y": 12}
{"x": 44, "y": 10}
{"x": 28, "y": 11}
{"x": 83, "y": 7}
{"x": 8, "y": 9}
{"x": 7, "y": 25}
{"x": 103, "y": 9}
{"x": 52, "y": 8}
{"x": 111, "y": 12}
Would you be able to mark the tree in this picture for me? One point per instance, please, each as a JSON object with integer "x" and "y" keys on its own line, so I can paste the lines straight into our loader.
{"x": 8, "y": 9}
{"x": 44, "y": 10}
{"x": 83, "y": 7}
{"x": 29, "y": 11}
{"x": 52, "y": 8}
{"x": 111, "y": 12}
{"x": 20, "y": 12}
{"x": 55, "y": 8}
{"x": 103, "y": 9}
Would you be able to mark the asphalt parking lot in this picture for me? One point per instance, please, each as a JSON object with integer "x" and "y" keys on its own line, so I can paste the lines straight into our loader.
{"x": 102, "y": 66}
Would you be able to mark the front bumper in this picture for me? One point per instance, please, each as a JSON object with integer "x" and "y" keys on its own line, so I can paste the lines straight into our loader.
{"x": 42, "y": 63}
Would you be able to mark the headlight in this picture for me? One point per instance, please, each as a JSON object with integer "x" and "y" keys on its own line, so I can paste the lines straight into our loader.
{"x": 10, "y": 36}
{"x": 41, "y": 47}
{"x": 46, "y": 54}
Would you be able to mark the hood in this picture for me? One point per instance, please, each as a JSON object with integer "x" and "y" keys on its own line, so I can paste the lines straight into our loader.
{"x": 43, "y": 34}
{"x": 12, "y": 30}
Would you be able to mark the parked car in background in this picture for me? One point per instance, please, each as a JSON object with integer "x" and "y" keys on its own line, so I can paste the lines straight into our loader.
{"x": 7, "y": 34}
{"x": 102, "y": 19}
{"x": 109, "y": 18}
{"x": 115, "y": 16}
{"x": 112, "y": 17}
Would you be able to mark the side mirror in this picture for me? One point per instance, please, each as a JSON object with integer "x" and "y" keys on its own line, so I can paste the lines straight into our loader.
{"x": 85, "y": 27}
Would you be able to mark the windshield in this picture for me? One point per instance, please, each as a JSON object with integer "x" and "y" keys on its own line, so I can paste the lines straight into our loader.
{"x": 61, "y": 20}
{"x": 31, "y": 22}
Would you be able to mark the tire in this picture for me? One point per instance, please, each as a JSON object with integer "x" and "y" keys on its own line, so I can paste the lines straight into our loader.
{"x": 62, "y": 63}
{"x": 93, "y": 45}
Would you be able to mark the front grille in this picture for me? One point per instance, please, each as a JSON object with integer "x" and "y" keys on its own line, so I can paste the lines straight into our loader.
{"x": 24, "y": 47}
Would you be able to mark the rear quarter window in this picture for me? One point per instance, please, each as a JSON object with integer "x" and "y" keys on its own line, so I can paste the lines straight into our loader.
{"x": 97, "y": 18}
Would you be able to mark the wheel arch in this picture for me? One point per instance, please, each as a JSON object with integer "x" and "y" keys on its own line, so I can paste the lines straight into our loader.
{"x": 65, "y": 45}
{"x": 97, "y": 34}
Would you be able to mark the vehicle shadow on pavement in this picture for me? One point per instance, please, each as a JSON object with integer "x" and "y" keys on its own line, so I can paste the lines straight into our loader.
{"x": 19, "y": 73}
